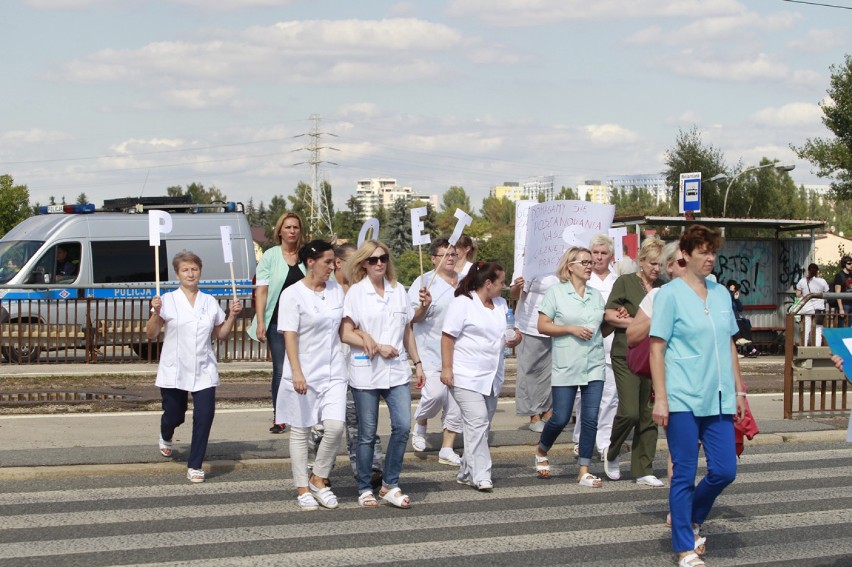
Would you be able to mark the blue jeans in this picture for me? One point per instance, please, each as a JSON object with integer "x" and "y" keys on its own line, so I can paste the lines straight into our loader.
{"x": 398, "y": 399}
{"x": 690, "y": 504}
{"x": 175, "y": 403}
{"x": 563, "y": 406}
{"x": 275, "y": 343}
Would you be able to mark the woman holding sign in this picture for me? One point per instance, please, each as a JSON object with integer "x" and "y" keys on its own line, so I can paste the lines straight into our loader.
{"x": 313, "y": 385}
{"x": 278, "y": 269}
{"x": 377, "y": 306}
{"x": 188, "y": 363}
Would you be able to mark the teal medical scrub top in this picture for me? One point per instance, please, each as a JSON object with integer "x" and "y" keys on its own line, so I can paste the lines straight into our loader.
{"x": 575, "y": 362}
{"x": 698, "y": 349}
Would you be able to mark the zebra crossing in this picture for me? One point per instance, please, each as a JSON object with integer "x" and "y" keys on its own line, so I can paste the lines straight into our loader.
{"x": 790, "y": 505}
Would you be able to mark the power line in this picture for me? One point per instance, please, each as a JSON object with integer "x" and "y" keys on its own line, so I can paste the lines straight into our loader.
{"x": 820, "y": 4}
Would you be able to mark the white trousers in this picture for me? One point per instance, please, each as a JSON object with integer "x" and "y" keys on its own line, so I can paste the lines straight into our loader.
{"x": 326, "y": 452}
{"x": 434, "y": 398}
{"x": 606, "y": 415}
{"x": 477, "y": 411}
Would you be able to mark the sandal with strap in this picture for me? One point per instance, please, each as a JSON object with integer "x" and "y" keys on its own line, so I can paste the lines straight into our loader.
{"x": 368, "y": 500}
{"x": 700, "y": 541}
{"x": 165, "y": 448}
{"x": 395, "y": 497}
{"x": 543, "y": 471}
{"x": 307, "y": 503}
{"x": 690, "y": 560}
{"x": 589, "y": 480}
{"x": 324, "y": 496}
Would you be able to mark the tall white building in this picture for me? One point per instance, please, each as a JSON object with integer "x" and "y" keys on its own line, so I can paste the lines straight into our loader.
{"x": 384, "y": 191}
{"x": 654, "y": 183}
{"x": 530, "y": 188}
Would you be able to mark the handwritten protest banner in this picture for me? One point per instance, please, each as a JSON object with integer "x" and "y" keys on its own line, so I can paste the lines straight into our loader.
{"x": 549, "y": 224}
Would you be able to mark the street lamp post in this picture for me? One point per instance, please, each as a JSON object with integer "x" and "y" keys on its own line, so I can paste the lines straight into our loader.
{"x": 723, "y": 176}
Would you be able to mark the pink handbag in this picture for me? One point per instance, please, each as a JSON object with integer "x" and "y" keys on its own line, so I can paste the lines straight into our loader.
{"x": 639, "y": 358}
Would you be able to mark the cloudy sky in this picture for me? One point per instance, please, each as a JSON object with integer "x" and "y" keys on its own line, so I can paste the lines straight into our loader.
{"x": 127, "y": 97}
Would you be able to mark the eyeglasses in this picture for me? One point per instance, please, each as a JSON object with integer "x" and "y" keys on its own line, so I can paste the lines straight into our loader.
{"x": 373, "y": 260}
{"x": 681, "y": 262}
{"x": 452, "y": 255}
{"x": 584, "y": 262}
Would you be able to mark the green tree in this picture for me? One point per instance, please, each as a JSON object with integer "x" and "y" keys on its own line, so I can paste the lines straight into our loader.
{"x": 397, "y": 232}
{"x": 566, "y": 194}
{"x": 833, "y": 156}
{"x": 199, "y": 194}
{"x": 691, "y": 154}
{"x": 14, "y": 203}
{"x": 348, "y": 223}
{"x": 454, "y": 198}
{"x": 277, "y": 207}
{"x": 633, "y": 201}
{"x": 82, "y": 199}
{"x": 499, "y": 248}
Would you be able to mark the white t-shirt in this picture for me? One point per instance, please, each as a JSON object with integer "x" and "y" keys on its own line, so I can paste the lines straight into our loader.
{"x": 187, "y": 361}
{"x": 427, "y": 331}
{"x": 647, "y": 303}
{"x": 478, "y": 350}
{"x": 384, "y": 319}
{"x": 816, "y": 285}
{"x": 526, "y": 311}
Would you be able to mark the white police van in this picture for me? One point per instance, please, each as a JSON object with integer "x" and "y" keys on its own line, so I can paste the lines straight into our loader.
{"x": 75, "y": 251}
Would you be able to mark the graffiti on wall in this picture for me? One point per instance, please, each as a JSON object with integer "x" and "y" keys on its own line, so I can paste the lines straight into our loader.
{"x": 763, "y": 268}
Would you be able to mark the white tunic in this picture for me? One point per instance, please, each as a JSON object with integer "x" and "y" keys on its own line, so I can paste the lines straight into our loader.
{"x": 316, "y": 317}
{"x": 604, "y": 285}
{"x": 187, "y": 361}
{"x": 384, "y": 319}
{"x": 427, "y": 331}
{"x": 478, "y": 350}
{"x": 526, "y": 312}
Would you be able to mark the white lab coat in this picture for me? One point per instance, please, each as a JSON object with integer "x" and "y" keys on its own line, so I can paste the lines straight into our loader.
{"x": 187, "y": 361}
{"x": 384, "y": 319}
{"x": 316, "y": 317}
{"x": 427, "y": 331}
{"x": 478, "y": 363}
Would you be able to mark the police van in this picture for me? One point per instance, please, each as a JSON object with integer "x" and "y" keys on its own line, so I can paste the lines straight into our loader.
{"x": 103, "y": 258}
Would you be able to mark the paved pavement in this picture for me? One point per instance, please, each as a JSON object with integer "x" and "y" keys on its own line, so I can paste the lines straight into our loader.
{"x": 109, "y": 442}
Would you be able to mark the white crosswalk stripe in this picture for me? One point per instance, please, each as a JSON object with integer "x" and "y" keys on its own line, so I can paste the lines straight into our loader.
{"x": 781, "y": 508}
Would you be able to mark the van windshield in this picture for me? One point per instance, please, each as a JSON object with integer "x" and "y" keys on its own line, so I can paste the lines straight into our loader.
{"x": 14, "y": 254}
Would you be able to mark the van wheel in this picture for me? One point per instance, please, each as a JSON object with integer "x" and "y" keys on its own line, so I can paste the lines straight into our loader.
{"x": 23, "y": 354}
{"x": 148, "y": 352}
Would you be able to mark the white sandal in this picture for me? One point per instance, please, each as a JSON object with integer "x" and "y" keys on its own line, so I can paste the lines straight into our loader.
{"x": 589, "y": 480}
{"x": 691, "y": 560}
{"x": 324, "y": 496}
{"x": 165, "y": 448}
{"x": 543, "y": 471}
{"x": 307, "y": 503}
{"x": 395, "y": 497}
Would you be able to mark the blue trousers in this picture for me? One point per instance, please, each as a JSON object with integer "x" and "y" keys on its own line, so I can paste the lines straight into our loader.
{"x": 398, "y": 399}
{"x": 563, "y": 406}
{"x": 690, "y": 504}
{"x": 174, "y": 414}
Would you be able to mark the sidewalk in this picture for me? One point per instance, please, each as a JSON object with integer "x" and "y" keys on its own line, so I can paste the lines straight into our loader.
{"x": 241, "y": 437}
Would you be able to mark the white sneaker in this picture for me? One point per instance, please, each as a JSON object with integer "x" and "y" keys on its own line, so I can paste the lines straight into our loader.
{"x": 449, "y": 458}
{"x": 650, "y": 480}
{"x": 612, "y": 468}
{"x": 418, "y": 442}
{"x": 195, "y": 475}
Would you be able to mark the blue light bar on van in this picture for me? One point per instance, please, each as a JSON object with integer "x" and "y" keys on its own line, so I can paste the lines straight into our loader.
{"x": 66, "y": 209}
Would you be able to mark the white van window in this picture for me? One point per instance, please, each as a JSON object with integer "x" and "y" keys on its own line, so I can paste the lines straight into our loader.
{"x": 67, "y": 262}
{"x": 126, "y": 261}
{"x": 14, "y": 254}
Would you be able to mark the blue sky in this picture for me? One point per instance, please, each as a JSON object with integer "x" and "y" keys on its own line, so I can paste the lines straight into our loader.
{"x": 100, "y": 94}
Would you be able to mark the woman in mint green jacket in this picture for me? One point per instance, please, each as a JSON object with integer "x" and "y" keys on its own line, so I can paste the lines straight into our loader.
{"x": 278, "y": 269}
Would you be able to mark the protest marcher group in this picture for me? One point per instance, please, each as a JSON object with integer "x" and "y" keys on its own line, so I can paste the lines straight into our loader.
{"x": 344, "y": 334}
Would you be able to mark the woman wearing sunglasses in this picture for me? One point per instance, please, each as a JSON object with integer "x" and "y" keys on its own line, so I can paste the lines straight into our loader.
{"x": 572, "y": 313}
{"x": 376, "y": 324}
{"x": 698, "y": 389}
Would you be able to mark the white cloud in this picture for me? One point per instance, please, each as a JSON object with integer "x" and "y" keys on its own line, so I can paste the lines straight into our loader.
{"x": 63, "y": 4}
{"x": 714, "y": 29}
{"x": 314, "y": 52}
{"x": 35, "y": 136}
{"x": 789, "y": 115}
{"x": 609, "y": 134}
{"x": 520, "y": 13}
{"x": 755, "y": 67}
{"x": 820, "y": 40}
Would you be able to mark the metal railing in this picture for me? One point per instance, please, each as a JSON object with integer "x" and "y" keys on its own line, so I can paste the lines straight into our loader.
{"x": 812, "y": 385}
{"x": 97, "y": 329}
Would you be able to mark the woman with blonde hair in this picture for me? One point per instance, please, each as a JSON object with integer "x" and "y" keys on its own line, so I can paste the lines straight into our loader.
{"x": 573, "y": 314}
{"x": 377, "y": 326}
{"x": 634, "y": 392}
{"x": 278, "y": 269}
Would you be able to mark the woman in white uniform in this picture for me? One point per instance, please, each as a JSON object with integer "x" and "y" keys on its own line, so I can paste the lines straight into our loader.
{"x": 377, "y": 306}
{"x": 313, "y": 380}
{"x": 430, "y": 301}
{"x": 466, "y": 248}
{"x": 187, "y": 362}
{"x": 472, "y": 364}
